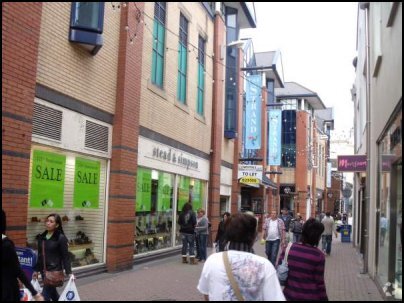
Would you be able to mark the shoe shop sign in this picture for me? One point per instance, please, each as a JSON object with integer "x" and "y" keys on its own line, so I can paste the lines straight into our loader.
{"x": 249, "y": 174}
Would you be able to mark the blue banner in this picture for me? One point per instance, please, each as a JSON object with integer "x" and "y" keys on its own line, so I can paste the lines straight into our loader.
{"x": 28, "y": 259}
{"x": 274, "y": 137}
{"x": 253, "y": 112}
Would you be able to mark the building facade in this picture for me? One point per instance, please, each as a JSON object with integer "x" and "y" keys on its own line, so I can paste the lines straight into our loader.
{"x": 377, "y": 96}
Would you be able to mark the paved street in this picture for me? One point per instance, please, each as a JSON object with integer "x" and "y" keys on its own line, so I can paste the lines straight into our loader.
{"x": 168, "y": 279}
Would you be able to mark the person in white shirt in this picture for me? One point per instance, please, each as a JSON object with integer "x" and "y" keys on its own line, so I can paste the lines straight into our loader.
{"x": 274, "y": 236}
{"x": 255, "y": 276}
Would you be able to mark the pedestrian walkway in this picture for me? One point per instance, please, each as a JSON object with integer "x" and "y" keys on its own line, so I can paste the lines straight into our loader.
{"x": 168, "y": 279}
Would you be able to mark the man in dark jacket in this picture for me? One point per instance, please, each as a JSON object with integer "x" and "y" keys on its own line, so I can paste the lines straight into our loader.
{"x": 187, "y": 222}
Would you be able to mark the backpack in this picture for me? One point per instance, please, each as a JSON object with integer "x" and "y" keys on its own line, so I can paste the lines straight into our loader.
{"x": 297, "y": 226}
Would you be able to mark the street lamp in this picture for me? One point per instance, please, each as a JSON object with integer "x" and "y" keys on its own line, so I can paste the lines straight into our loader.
{"x": 329, "y": 195}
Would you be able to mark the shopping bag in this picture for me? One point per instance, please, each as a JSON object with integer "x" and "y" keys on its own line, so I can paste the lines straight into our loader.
{"x": 36, "y": 285}
{"x": 70, "y": 292}
{"x": 25, "y": 294}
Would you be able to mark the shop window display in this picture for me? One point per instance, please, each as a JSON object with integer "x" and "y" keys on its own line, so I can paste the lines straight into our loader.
{"x": 153, "y": 210}
{"x": 78, "y": 197}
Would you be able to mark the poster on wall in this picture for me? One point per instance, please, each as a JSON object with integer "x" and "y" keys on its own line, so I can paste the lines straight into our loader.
{"x": 183, "y": 192}
{"x": 164, "y": 192}
{"x": 197, "y": 195}
{"x": 86, "y": 183}
{"x": 47, "y": 180}
{"x": 143, "y": 193}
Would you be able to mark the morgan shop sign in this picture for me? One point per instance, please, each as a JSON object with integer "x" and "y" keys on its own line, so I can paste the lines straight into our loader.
{"x": 354, "y": 163}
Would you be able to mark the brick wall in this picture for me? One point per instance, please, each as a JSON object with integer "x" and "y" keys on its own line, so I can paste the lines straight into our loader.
{"x": 20, "y": 39}
{"x": 302, "y": 125}
{"x": 160, "y": 110}
{"x": 70, "y": 69}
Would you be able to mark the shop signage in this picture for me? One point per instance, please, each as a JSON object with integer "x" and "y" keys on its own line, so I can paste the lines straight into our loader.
{"x": 354, "y": 163}
{"x": 274, "y": 137}
{"x": 143, "y": 193}
{"x": 174, "y": 157}
{"x": 86, "y": 183}
{"x": 47, "y": 180}
{"x": 253, "y": 112}
{"x": 27, "y": 258}
{"x": 249, "y": 174}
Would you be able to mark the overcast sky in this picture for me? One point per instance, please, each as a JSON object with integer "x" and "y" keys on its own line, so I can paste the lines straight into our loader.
{"x": 318, "y": 45}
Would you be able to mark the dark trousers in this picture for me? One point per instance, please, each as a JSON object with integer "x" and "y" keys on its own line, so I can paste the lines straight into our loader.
{"x": 188, "y": 242}
{"x": 202, "y": 243}
{"x": 50, "y": 293}
{"x": 326, "y": 243}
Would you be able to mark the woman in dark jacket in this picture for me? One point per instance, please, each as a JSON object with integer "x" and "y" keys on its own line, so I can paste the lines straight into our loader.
{"x": 56, "y": 253}
{"x": 11, "y": 269}
{"x": 220, "y": 232}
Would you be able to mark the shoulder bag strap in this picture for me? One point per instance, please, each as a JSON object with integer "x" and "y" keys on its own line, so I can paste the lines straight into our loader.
{"x": 231, "y": 277}
{"x": 43, "y": 254}
{"x": 287, "y": 252}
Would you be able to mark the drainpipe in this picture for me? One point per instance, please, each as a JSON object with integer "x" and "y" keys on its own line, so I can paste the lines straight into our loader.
{"x": 366, "y": 6}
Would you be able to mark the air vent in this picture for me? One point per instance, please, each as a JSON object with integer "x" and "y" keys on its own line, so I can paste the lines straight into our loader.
{"x": 96, "y": 136}
{"x": 47, "y": 122}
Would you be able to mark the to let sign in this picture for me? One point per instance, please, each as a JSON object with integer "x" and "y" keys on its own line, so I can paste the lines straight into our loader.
{"x": 354, "y": 163}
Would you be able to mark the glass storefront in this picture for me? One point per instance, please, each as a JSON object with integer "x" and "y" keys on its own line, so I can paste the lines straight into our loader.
{"x": 160, "y": 198}
{"x": 389, "y": 261}
{"x": 73, "y": 186}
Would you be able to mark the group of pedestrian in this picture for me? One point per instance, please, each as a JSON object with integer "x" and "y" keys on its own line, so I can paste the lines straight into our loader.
{"x": 52, "y": 247}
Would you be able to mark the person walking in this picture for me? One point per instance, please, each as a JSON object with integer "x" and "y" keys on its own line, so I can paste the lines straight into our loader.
{"x": 286, "y": 218}
{"x": 306, "y": 266}
{"x": 296, "y": 227}
{"x": 55, "y": 244}
{"x": 219, "y": 240}
{"x": 11, "y": 269}
{"x": 187, "y": 222}
{"x": 255, "y": 278}
{"x": 274, "y": 236}
{"x": 329, "y": 229}
{"x": 202, "y": 232}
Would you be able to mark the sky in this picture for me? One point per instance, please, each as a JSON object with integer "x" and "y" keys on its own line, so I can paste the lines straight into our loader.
{"x": 318, "y": 44}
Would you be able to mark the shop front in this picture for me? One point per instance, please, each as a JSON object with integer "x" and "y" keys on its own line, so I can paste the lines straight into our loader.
{"x": 167, "y": 178}
{"x": 389, "y": 244}
{"x": 69, "y": 176}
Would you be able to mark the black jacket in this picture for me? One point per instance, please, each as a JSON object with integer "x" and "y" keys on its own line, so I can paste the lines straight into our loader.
{"x": 10, "y": 271}
{"x": 56, "y": 253}
{"x": 187, "y": 222}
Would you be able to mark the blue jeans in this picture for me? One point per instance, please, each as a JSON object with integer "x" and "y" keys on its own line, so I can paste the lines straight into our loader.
{"x": 271, "y": 250}
{"x": 297, "y": 237}
{"x": 188, "y": 243}
{"x": 203, "y": 242}
{"x": 326, "y": 243}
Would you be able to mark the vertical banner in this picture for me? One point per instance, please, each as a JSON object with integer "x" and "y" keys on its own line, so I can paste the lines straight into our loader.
{"x": 47, "y": 180}
{"x": 183, "y": 191}
{"x": 143, "y": 194}
{"x": 197, "y": 195}
{"x": 164, "y": 192}
{"x": 86, "y": 184}
{"x": 253, "y": 112}
{"x": 274, "y": 137}
{"x": 329, "y": 167}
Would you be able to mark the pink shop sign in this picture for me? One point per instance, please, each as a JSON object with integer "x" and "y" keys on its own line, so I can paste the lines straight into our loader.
{"x": 354, "y": 163}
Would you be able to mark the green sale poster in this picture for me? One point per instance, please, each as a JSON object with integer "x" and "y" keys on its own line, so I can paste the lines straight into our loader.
{"x": 47, "y": 180}
{"x": 183, "y": 192}
{"x": 143, "y": 193}
{"x": 197, "y": 195}
{"x": 164, "y": 192}
{"x": 86, "y": 183}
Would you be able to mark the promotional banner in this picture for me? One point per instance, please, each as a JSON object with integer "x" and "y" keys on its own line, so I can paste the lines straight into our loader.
{"x": 47, "y": 180}
{"x": 27, "y": 258}
{"x": 274, "y": 137}
{"x": 183, "y": 192}
{"x": 253, "y": 112}
{"x": 197, "y": 195}
{"x": 164, "y": 192}
{"x": 143, "y": 193}
{"x": 86, "y": 183}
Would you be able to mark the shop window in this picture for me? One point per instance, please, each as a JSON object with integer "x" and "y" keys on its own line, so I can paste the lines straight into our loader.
{"x": 72, "y": 186}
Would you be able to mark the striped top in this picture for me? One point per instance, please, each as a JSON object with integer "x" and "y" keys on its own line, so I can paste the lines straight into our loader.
{"x": 306, "y": 274}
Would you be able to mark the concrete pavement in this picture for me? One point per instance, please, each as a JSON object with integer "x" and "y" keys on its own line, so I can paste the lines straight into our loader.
{"x": 168, "y": 279}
